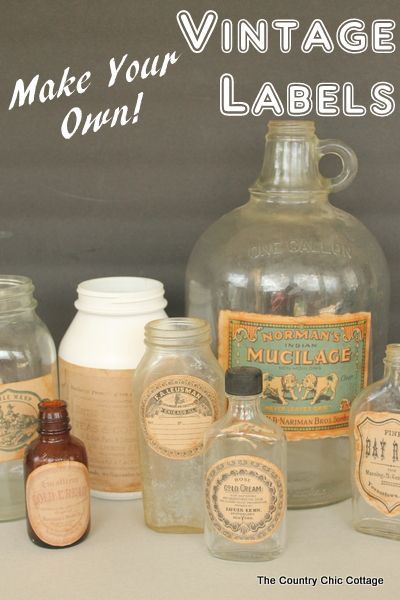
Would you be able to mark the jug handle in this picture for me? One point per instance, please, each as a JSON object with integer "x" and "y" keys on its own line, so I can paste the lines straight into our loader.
{"x": 349, "y": 163}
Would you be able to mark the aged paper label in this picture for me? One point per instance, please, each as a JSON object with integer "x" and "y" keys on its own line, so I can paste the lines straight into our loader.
{"x": 58, "y": 502}
{"x": 245, "y": 498}
{"x": 100, "y": 406}
{"x": 175, "y": 411}
{"x": 313, "y": 367}
{"x": 377, "y": 463}
{"x": 19, "y": 412}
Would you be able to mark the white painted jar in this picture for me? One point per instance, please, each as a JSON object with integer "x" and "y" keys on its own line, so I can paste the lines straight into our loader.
{"x": 97, "y": 358}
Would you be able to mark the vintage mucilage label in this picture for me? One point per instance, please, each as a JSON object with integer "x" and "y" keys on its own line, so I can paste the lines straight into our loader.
{"x": 245, "y": 498}
{"x": 100, "y": 406}
{"x": 313, "y": 367}
{"x": 58, "y": 502}
{"x": 377, "y": 464}
{"x": 175, "y": 411}
{"x": 18, "y": 413}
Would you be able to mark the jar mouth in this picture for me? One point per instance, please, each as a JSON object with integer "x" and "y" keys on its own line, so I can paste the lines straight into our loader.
{"x": 177, "y": 331}
{"x": 16, "y": 294}
{"x": 392, "y": 355}
{"x": 291, "y": 127}
{"x": 120, "y": 295}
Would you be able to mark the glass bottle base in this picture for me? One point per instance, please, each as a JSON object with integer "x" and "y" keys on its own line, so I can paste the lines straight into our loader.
{"x": 299, "y": 503}
{"x": 246, "y": 556}
{"x": 12, "y": 495}
{"x": 379, "y": 528}
{"x": 175, "y": 529}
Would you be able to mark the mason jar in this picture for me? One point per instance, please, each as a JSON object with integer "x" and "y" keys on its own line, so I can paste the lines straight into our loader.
{"x": 28, "y": 375}
{"x": 179, "y": 393}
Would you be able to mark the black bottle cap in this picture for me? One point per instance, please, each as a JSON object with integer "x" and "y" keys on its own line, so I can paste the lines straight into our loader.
{"x": 243, "y": 381}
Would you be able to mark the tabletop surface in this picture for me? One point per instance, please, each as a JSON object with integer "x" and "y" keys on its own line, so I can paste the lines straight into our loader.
{"x": 122, "y": 559}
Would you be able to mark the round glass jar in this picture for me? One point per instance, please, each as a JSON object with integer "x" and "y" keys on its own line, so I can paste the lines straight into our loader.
{"x": 28, "y": 374}
{"x": 179, "y": 393}
{"x": 97, "y": 358}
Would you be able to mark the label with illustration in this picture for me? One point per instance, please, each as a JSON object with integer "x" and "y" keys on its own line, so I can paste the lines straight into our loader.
{"x": 175, "y": 411}
{"x": 58, "y": 502}
{"x": 19, "y": 413}
{"x": 245, "y": 498}
{"x": 313, "y": 367}
{"x": 377, "y": 460}
{"x": 100, "y": 406}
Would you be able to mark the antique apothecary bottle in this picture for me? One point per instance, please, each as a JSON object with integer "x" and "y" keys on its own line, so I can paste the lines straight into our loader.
{"x": 97, "y": 358}
{"x": 293, "y": 285}
{"x": 245, "y": 475}
{"x": 375, "y": 436}
{"x": 56, "y": 481}
{"x": 179, "y": 393}
{"x": 28, "y": 374}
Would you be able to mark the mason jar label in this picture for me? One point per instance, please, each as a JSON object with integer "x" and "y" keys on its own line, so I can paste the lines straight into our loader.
{"x": 100, "y": 406}
{"x": 175, "y": 411}
{"x": 313, "y": 367}
{"x": 377, "y": 460}
{"x": 19, "y": 413}
{"x": 58, "y": 502}
{"x": 245, "y": 498}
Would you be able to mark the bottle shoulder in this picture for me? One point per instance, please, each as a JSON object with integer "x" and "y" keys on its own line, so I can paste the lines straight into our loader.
{"x": 381, "y": 396}
{"x": 261, "y": 429}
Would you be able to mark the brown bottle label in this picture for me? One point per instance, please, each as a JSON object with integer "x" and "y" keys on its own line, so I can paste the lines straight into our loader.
{"x": 313, "y": 367}
{"x": 19, "y": 412}
{"x": 377, "y": 460}
{"x": 245, "y": 498}
{"x": 58, "y": 502}
{"x": 100, "y": 406}
{"x": 175, "y": 411}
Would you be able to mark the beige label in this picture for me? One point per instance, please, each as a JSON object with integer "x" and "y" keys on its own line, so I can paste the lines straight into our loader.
{"x": 58, "y": 502}
{"x": 377, "y": 464}
{"x": 175, "y": 411}
{"x": 18, "y": 413}
{"x": 245, "y": 498}
{"x": 100, "y": 405}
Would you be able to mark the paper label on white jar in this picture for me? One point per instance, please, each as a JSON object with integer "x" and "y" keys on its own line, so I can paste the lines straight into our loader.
{"x": 175, "y": 411}
{"x": 100, "y": 406}
{"x": 245, "y": 498}
{"x": 377, "y": 460}
{"x": 58, "y": 502}
{"x": 19, "y": 413}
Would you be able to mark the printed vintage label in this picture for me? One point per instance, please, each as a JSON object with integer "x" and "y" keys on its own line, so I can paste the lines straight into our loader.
{"x": 19, "y": 412}
{"x": 100, "y": 406}
{"x": 245, "y": 498}
{"x": 58, "y": 502}
{"x": 175, "y": 411}
{"x": 313, "y": 367}
{"x": 377, "y": 460}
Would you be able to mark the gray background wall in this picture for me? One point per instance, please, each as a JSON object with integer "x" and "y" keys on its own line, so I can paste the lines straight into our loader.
{"x": 133, "y": 200}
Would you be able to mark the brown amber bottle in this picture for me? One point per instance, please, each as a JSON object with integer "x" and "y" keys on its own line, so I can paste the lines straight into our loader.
{"x": 57, "y": 489}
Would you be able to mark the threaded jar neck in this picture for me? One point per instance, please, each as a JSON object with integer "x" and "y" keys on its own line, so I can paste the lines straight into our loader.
{"x": 392, "y": 358}
{"x": 177, "y": 331}
{"x": 53, "y": 417}
{"x": 16, "y": 294}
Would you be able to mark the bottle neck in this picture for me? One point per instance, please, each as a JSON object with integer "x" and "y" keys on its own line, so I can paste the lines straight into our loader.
{"x": 53, "y": 420}
{"x": 392, "y": 373}
{"x": 290, "y": 170}
{"x": 16, "y": 295}
{"x": 243, "y": 408}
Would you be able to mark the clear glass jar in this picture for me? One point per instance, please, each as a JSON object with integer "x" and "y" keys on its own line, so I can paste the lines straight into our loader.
{"x": 375, "y": 427}
{"x": 28, "y": 375}
{"x": 179, "y": 393}
{"x": 293, "y": 285}
{"x": 245, "y": 475}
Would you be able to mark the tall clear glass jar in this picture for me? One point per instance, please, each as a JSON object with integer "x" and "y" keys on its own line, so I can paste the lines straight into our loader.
{"x": 28, "y": 374}
{"x": 295, "y": 286}
{"x": 179, "y": 393}
{"x": 375, "y": 438}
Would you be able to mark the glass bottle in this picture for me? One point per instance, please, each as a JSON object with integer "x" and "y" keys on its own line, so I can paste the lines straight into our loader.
{"x": 28, "y": 374}
{"x": 56, "y": 481}
{"x": 293, "y": 285}
{"x": 245, "y": 475}
{"x": 179, "y": 392}
{"x": 375, "y": 426}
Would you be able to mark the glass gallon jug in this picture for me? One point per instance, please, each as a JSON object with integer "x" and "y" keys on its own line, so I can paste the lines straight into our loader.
{"x": 298, "y": 288}
{"x": 28, "y": 374}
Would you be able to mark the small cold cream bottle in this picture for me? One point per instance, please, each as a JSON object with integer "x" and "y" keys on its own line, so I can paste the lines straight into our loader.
{"x": 245, "y": 475}
{"x": 375, "y": 427}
